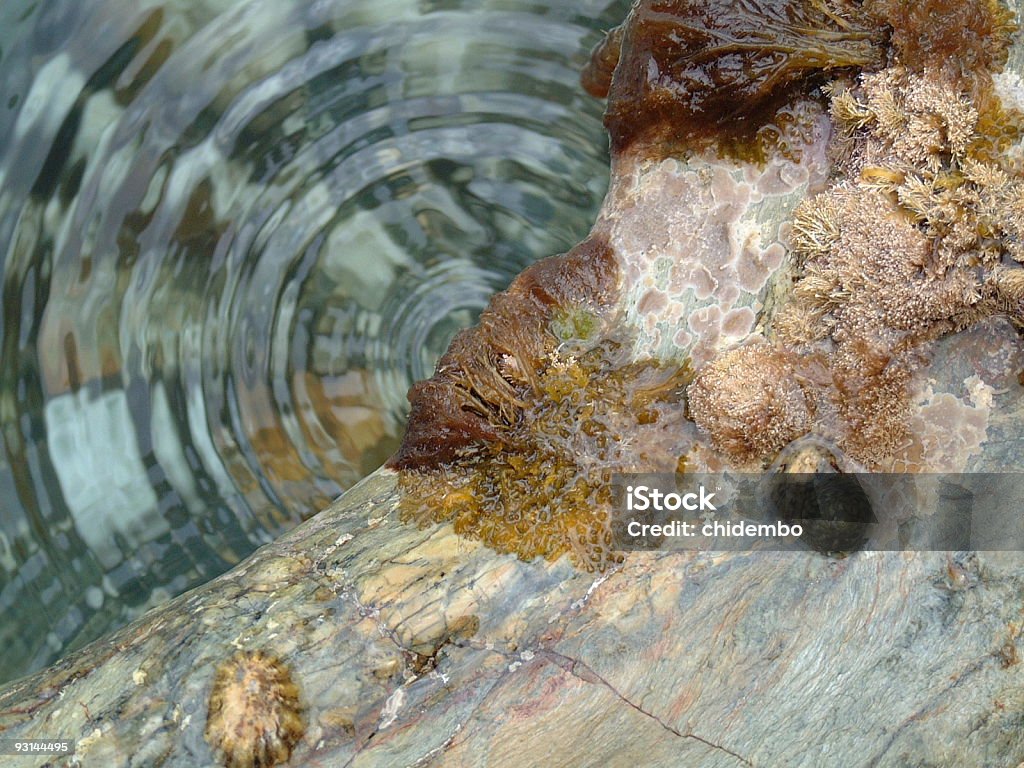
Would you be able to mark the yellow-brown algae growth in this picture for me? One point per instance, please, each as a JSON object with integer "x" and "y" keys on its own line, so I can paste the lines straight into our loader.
{"x": 544, "y": 489}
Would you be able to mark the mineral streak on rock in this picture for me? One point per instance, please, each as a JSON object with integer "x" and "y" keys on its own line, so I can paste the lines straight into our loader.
{"x": 254, "y": 717}
{"x": 699, "y": 73}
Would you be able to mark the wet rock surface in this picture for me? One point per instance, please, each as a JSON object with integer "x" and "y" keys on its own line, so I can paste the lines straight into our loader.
{"x": 418, "y": 647}
{"x": 408, "y": 645}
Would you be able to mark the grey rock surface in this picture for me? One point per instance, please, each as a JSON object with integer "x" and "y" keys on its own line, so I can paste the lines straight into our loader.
{"x": 417, "y": 647}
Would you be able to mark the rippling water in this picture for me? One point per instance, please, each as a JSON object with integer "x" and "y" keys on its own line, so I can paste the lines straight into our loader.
{"x": 231, "y": 235}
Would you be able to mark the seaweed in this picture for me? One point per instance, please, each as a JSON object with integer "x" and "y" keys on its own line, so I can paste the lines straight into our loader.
{"x": 695, "y": 73}
{"x": 965, "y": 37}
{"x": 515, "y": 436}
{"x": 543, "y": 489}
{"x": 921, "y": 236}
{"x": 490, "y": 373}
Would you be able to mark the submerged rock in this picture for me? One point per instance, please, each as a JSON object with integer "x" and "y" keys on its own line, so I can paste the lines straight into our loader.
{"x": 914, "y": 235}
{"x": 435, "y": 644}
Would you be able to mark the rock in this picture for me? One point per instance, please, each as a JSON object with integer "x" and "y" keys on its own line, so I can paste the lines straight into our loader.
{"x": 359, "y": 639}
{"x": 418, "y": 647}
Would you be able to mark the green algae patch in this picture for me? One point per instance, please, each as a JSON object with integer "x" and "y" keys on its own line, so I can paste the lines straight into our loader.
{"x": 575, "y": 324}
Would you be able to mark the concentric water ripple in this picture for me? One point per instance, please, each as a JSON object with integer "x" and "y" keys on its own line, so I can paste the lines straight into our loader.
{"x": 232, "y": 235}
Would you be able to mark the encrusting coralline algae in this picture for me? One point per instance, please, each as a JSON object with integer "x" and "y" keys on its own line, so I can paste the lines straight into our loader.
{"x": 916, "y": 235}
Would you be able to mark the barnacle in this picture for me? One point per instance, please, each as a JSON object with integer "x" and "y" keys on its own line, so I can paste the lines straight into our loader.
{"x": 254, "y": 717}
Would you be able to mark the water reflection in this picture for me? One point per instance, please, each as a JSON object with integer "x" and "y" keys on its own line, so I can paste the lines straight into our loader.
{"x": 232, "y": 234}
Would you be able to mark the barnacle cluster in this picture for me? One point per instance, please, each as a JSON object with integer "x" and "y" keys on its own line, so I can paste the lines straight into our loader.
{"x": 254, "y": 715}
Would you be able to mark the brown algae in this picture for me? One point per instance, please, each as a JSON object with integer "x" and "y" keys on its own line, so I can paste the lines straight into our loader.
{"x": 749, "y": 403}
{"x": 967, "y": 38}
{"x": 514, "y": 437}
{"x": 544, "y": 489}
{"x": 918, "y": 237}
{"x": 485, "y": 380}
{"x": 700, "y": 73}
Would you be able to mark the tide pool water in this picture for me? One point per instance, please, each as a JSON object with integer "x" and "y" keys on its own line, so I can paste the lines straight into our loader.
{"x": 232, "y": 234}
